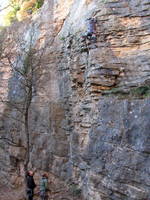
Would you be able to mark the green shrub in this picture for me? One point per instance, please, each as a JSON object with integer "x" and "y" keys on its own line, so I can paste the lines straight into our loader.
{"x": 62, "y": 38}
{"x": 16, "y": 6}
{"x": 141, "y": 91}
{"x": 136, "y": 92}
{"x": 10, "y": 17}
{"x": 39, "y": 4}
{"x": 75, "y": 190}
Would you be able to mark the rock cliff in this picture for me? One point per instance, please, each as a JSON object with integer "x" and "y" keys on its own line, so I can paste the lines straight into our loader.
{"x": 89, "y": 117}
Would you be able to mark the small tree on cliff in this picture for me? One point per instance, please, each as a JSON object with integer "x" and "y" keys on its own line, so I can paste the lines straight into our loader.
{"x": 25, "y": 63}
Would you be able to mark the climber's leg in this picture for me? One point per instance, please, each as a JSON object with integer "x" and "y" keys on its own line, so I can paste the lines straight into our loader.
{"x": 94, "y": 38}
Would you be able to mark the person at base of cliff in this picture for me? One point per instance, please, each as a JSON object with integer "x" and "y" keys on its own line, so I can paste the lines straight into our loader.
{"x": 91, "y": 30}
{"x": 30, "y": 185}
{"x": 44, "y": 187}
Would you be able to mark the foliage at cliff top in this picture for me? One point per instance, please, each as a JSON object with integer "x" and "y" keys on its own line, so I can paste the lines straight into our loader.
{"x": 20, "y": 10}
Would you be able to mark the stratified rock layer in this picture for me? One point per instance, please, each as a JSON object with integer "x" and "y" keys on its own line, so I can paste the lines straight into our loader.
{"x": 89, "y": 120}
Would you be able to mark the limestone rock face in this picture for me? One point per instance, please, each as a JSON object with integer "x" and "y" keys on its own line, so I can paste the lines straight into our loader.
{"x": 89, "y": 116}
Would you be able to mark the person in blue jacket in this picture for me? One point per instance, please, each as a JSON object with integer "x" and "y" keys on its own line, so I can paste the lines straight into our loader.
{"x": 44, "y": 187}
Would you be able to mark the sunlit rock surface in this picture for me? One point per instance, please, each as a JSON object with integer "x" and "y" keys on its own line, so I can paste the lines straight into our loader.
{"x": 89, "y": 118}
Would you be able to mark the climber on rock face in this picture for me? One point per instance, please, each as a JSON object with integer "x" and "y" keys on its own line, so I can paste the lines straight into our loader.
{"x": 91, "y": 30}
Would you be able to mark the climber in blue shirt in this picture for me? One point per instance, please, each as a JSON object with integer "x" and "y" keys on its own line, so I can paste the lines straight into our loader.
{"x": 91, "y": 30}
